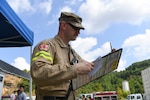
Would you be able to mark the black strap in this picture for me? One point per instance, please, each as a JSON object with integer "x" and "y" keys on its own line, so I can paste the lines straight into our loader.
{"x": 69, "y": 90}
{"x": 72, "y": 62}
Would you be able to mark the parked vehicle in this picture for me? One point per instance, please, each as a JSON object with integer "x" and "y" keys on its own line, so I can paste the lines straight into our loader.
{"x": 88, "y": 95}
{"x": 137, "y": 96}
{"x": 6, "y": 98}
{"x": 107, "y": 95}
{"x": 33, "y": 97}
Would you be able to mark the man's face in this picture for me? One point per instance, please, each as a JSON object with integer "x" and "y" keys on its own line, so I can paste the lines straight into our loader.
{"x": 21, "y": 89}
{"x": 72, "y": 31}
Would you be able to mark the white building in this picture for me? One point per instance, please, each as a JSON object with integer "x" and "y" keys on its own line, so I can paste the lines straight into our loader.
{"x": 146, "y": 82}
{"x": 1, "y": 83}
{"x": 125, "y": 86}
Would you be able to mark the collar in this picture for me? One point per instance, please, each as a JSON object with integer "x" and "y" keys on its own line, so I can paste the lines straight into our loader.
{"x": 60, "y": 42}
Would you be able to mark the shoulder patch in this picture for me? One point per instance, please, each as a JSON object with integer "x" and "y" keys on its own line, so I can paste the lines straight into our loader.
{"x": 44, "y": 46}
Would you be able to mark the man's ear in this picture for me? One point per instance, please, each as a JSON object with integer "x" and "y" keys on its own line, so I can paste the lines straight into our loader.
{"x": 63, "y": 25}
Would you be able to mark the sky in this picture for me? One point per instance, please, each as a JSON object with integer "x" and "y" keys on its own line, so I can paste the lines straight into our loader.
{"x": 123, "y": 23}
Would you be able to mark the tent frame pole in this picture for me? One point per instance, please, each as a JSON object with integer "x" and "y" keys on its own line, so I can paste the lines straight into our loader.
{"x": 30, "y": 75}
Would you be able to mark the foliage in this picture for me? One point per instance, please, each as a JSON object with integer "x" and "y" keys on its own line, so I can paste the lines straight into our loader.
{"x": 122, "y": 94}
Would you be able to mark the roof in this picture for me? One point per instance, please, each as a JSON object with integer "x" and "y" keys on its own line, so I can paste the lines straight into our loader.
{"x": 13, "y": 32}
{"x": 9, "y": 69}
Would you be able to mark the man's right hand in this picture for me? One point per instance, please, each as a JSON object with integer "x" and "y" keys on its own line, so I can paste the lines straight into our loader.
{"x": 84, "y": 67}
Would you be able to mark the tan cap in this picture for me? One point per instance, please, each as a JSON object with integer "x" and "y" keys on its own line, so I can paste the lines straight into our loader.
{"x": 71, "y": 18}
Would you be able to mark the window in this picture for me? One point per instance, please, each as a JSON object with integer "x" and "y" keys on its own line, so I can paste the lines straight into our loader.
{"x": 114, "y": 97}
{"x": 98, "y": 98}
{"x": 1, "y": 78}
{"x": 138, "y": 97}
{"x": 106, "y": 98}
{"x": 132, "y": 97}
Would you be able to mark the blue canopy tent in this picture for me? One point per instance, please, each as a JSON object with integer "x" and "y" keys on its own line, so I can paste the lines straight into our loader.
{"x": 14, "y": 33}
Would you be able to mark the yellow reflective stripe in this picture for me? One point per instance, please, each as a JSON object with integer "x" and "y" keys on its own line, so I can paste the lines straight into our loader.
{"x": 43, "y": 54}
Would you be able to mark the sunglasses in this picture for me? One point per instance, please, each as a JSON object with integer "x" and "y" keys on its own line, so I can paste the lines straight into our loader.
{"x": 75, "y": 28}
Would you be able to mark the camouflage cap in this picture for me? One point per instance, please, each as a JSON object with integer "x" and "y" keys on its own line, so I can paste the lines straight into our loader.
{"x": 71, "y": 18}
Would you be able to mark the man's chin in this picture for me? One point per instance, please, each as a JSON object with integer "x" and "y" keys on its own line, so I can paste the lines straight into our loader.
{"x": 73, "y": 39}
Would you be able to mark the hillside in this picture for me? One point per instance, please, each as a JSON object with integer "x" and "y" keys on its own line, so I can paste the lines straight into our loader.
{"x": 10, "y": 84}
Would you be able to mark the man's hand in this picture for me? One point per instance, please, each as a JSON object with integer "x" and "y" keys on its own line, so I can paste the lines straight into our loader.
{"x": 84, "y": 67}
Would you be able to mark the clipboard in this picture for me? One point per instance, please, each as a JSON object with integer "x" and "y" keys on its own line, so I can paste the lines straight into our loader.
{"x": 102, "y": 66}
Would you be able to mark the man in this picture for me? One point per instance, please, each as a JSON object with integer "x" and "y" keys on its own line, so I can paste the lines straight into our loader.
{"x": 21, "y": 94}
{"x": 55, "y": 63}
{"x": 13, "y": 95}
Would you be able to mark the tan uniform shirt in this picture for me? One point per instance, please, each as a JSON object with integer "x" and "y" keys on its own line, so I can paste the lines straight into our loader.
{"x": 51, "y": 70}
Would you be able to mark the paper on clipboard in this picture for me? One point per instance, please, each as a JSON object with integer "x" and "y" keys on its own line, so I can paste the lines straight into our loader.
{"x": 97, "y": 65}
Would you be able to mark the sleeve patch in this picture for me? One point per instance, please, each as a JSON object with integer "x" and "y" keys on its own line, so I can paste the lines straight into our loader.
{"x": 44, "y": 46}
